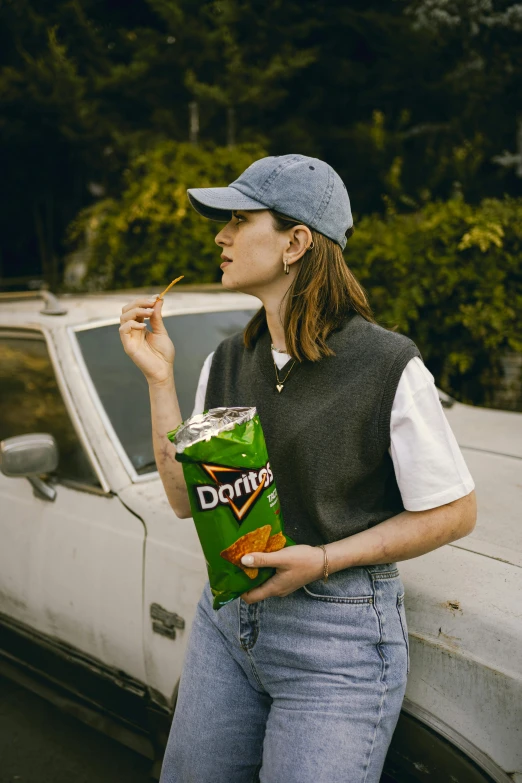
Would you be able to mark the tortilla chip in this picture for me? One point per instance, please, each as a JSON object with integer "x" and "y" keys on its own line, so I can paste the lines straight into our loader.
{"x": 170, "y": 286}
{"x": 255, "y": 541}
{"x": 275, "y": 542}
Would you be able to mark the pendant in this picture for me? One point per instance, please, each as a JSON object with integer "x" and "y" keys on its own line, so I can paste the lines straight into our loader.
{"x": 279, "y": 387}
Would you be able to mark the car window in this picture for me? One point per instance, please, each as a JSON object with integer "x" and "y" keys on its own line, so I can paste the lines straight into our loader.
{"x": 31, "y": 401}
{"x": 122, "y": 387}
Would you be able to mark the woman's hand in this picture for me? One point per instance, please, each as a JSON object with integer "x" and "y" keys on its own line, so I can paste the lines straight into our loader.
{"x": 153, "y": 352}
{"x": 295, "y": 566}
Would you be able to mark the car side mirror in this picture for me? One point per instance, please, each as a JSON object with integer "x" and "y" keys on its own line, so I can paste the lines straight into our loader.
{"x": 28, "y": 456}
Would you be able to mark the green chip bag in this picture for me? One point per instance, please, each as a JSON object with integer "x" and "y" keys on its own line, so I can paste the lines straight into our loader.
{"x": 232, "y": 495}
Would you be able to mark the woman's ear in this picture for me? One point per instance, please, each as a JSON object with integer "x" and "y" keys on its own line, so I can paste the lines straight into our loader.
{"x": 300, "y": 239}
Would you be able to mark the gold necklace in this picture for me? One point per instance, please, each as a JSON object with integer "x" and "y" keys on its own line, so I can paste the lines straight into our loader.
{"x": 280, "y": 383}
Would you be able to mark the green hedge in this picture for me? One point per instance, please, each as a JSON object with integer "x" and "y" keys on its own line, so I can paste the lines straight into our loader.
{"x": 151, "y": 234}
{"x": 449, "y": 275}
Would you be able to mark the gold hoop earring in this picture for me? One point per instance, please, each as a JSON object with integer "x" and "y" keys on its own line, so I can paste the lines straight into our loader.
{"x": 285, "y": 264}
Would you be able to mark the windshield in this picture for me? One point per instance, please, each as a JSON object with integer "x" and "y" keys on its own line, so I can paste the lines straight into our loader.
{"x": 123, "y": 389}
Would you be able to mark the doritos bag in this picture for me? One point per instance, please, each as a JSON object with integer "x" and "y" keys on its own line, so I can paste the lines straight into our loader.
{"x": 232, "y": 495}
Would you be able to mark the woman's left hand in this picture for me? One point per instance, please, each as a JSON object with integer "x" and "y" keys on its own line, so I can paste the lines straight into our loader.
{"x": 295, "y": 566}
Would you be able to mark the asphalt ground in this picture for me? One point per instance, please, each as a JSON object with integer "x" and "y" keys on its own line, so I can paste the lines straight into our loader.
{"x": 40, "y": 744}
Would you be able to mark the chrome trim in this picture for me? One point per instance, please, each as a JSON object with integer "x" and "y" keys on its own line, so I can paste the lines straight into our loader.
{"x": 147, "y": 476}
{"x": 22, "y": 333}
{"x": 484, "y": 762}
{"x": 111, "y": 432}
{"x": 79, "y": 487}
{"x": 68, "y": 402}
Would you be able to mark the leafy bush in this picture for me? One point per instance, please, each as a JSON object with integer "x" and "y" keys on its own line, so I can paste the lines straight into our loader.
{"x": 450, "y": 276}
{"x": 151, "y": 234}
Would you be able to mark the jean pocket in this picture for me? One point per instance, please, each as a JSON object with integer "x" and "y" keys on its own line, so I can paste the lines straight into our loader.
{"x": 349, "y": 586}
{"x": 404, "y": 625}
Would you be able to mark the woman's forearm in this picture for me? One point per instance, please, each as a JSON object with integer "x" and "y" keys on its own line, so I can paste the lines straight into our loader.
{"x": 406, "y": 535}
{"x": 166, "y": 416}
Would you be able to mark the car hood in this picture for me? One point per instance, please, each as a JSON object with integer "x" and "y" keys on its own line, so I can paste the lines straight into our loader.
{"x": 491, "y": 443}
{"x": 498, "y": 487}
{"x": 486, "y": 429}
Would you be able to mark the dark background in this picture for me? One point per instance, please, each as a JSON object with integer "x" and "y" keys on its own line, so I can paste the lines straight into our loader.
{"x": 86, "y": 85}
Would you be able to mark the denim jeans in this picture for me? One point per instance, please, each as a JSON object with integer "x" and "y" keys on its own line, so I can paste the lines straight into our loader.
{"x": 306, "y": 688}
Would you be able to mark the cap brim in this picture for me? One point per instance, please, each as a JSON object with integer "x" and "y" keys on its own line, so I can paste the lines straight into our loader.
{"x": 218, "y": 203}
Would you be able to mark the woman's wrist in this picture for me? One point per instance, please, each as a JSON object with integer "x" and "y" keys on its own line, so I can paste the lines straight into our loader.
{"x": 339, "y": 556}
{"x": 314, "y": 562}
{"x": 325, "y": 569}
{"x": 317, "y": 555}
{"x": 166, "y": 382}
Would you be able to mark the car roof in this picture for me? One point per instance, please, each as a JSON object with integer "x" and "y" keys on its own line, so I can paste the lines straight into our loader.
{"x": 24, "y": 309}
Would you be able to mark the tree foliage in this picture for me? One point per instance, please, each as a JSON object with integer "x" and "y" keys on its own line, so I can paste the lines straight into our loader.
{"x": 403, "y": 99}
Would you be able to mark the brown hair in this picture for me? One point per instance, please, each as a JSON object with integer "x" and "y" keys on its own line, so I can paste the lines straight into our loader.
{"x": 322, "y": 294}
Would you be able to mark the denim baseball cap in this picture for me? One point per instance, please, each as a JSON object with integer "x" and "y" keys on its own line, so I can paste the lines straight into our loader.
{"x": 304, "y": 188}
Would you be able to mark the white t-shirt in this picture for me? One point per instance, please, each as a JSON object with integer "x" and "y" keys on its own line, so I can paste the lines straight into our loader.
{"x": 429, "y": 466}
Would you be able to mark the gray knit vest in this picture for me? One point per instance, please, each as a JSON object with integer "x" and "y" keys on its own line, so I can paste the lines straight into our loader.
{"x": 328, "y": 432}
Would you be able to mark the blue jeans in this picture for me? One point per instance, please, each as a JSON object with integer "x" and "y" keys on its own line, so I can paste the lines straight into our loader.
{"x": 301, "y": 689}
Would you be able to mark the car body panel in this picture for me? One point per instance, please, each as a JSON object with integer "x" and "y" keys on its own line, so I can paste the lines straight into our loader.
{"x": 463, "y": 613}
{"x": 174, "y": 578}
{"x": 464, "y": 604}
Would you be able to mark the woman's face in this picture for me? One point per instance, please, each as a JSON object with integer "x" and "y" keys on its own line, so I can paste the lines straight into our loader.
{"x": 256, "y": 250}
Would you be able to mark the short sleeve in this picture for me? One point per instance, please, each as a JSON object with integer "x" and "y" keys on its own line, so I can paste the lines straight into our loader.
{"x": 199, "y": 402}
{"x": 429, "y": 466}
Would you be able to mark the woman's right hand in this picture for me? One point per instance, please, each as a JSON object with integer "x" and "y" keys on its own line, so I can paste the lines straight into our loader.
{"x": 153, "y": 352}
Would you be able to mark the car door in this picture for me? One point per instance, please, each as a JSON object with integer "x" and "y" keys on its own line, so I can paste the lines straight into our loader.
{"x": 71, "y": 569}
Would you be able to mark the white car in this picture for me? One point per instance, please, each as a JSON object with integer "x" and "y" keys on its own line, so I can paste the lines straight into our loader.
{"x": 99, "y": 579}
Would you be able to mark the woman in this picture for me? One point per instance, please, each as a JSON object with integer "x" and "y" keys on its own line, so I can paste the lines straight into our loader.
{"x": 302, "y": 679}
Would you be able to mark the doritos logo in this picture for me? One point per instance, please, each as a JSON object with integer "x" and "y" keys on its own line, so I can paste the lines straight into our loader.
{"x": 239, "y": 489}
